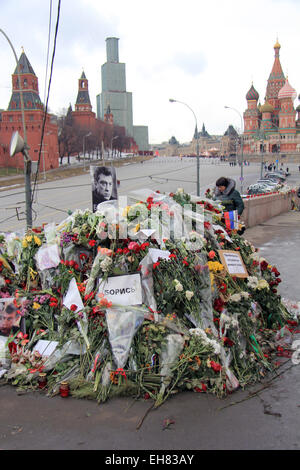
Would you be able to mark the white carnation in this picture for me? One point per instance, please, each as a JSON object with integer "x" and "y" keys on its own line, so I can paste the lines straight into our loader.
{"x": 235, "y": 298}
{"x": 252, "y": 282}
{"x": 262, "y": 284}
{"x": 189, "y": 294}
{"x": 245, "y": 295}
{"x": 178, "y": 286}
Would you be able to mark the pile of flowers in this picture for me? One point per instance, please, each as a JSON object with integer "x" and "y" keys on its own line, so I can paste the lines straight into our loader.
{"x": 195, "y": 327}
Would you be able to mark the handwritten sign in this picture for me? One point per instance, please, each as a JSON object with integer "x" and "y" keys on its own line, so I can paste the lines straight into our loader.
{"x": 122, "y": 290}
{"x": 233, "y": 263}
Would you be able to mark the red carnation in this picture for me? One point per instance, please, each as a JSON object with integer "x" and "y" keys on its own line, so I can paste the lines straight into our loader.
{"x": 218, "y": 304}
{"x": 92, "y": 243}
{"x": 263, "y": 265}
{"x": 202, "y": 389}
{"x": 73, "y": 307}
{"x": 215, "y": 366}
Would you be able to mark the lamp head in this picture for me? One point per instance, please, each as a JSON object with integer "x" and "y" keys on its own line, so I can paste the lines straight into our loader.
{"x": 171, "y": 100}
{"x": 16, "y": 144}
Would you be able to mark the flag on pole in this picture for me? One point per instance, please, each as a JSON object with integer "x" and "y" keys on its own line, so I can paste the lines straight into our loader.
{"x": 231, "y": 220}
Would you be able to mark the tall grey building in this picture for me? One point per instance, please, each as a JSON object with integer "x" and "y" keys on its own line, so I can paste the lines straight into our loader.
{"x": 114, "y": 94}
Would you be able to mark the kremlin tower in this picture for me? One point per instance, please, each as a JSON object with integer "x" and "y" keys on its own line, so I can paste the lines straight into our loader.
{"x": 11, "y": 121}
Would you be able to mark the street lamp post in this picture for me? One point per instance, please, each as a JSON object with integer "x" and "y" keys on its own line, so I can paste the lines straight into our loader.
{"x": 83, "y": 147}
{"x": 242, "y": 147}
{"x": 197, "y": 141}
{"x": 27, "y": 160}
{"x": 111, "y": 144}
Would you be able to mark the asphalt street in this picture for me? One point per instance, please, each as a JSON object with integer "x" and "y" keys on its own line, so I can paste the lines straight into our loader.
{"x": 52, "y": 200}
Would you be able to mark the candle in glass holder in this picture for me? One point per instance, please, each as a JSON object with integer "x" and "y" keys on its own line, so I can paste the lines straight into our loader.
{"x": 42, "y": 380}
{"x": 64, "y": 389}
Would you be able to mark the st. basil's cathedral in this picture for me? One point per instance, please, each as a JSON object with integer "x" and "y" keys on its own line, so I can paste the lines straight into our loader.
{"x": 274, "y": 126}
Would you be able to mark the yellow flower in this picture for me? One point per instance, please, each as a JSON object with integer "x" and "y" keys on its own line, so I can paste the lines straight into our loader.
{"x": 215, "y": 266}
{"x": 36, "y": 306}
{"x": 125, "y": 211}
{"x": 24, "y": 243}
{"x": 29, "y": 238}
{"x": 37, "y": 240}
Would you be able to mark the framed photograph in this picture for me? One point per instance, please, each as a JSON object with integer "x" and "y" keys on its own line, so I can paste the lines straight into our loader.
{"x": 233, "y": 263}
{"x": 104, "y": 185}
{"x": 10, "y": 317}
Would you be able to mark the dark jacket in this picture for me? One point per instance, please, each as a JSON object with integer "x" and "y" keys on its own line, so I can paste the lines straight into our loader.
{"x": 230, "y": 198}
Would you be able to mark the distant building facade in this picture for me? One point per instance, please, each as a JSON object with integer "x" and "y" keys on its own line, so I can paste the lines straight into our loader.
{"x": 114, "y": 95}
{"x": 100, "y": 129}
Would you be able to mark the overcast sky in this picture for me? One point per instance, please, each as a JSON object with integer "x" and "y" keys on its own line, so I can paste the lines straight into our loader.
{"x": 203, "y": 53}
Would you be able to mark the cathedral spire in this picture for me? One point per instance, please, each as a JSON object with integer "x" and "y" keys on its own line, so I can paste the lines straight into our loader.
{"x": 276, "y": 79}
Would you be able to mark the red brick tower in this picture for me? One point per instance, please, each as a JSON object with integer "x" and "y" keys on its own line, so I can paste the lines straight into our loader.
{"x": 83, "y": 114}
{"x": 108, "y": 116}
{"x": 34, "y": 116}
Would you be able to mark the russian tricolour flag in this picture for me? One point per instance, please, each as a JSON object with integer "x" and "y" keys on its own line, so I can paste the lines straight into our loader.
{"x": 231, "y": 220}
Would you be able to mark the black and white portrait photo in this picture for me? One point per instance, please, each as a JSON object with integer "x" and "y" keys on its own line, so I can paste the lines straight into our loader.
{"x": 104, "y": 185}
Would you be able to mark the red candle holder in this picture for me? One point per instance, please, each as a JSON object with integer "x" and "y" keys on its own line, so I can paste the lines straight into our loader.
{"x": 64, "y": 389}
{"x": 42, "y": 380}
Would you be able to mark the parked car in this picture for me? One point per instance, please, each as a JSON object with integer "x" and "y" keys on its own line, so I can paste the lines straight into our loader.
{"x": 274, "y": 184}
{"x": 268, "y": 182}
{"x": 259, "y": 188}
{"x": 275, "y": 176}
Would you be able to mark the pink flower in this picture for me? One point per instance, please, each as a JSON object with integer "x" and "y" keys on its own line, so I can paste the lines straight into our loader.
{"x": 134, "y": 246}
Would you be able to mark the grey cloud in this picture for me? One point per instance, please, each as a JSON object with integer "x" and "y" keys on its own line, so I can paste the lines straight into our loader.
{"x": 78, "y": 23}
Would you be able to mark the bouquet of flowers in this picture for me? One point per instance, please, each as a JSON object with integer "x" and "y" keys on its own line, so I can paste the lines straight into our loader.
{"x": 197, "y": 327}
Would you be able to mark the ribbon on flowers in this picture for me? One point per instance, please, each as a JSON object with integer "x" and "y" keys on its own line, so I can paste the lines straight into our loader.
{"x": 95, "y": 362}
{"x": 254, "y": 340}
{"x": 153, "y": 357}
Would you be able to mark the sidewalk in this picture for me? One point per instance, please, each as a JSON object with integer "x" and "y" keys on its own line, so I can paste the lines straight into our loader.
{"x": 279, "y": 242}
{"x": 264, "y": 416}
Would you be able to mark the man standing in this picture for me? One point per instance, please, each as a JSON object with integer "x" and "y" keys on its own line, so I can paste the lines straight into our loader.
{"x": 226, "y": 193}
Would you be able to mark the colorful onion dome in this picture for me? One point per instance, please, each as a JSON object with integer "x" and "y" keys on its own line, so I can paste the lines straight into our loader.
{"x": 266, "y": 108}
{"x": 277, "y": 45}
{"x": 287, "y": 91}
{"x": 252, "y": 94}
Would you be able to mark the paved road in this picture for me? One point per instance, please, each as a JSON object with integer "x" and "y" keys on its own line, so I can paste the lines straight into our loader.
{"x": 52, "y": 200}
